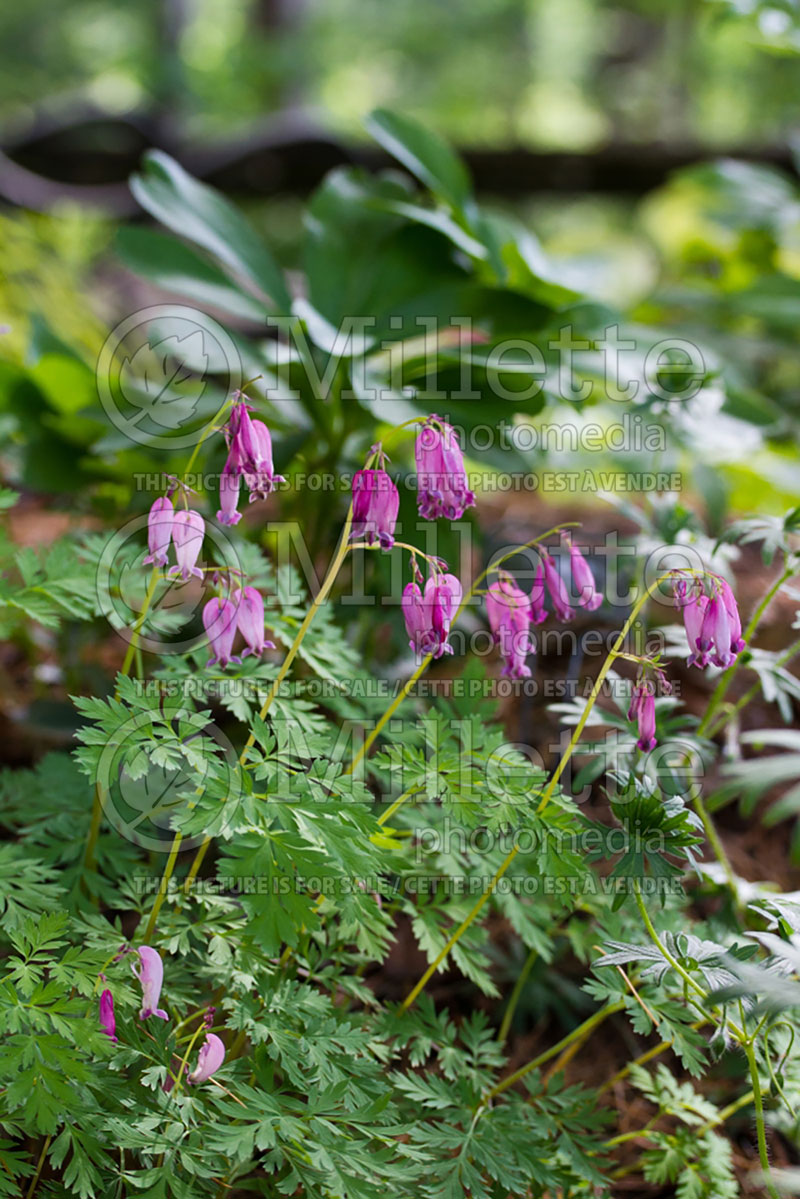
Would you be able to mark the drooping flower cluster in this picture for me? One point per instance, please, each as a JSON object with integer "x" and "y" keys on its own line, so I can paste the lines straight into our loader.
{"x": 442, "y": 484}
{"x": 429, "y": 613}
{"x": 250, "y": 459}
{"x": 711, "y": 619}
{"x": 243, "y": 612}
{"x": 511, "y": 612}
{"x": 150, "y": 973}
{"x": 184, "y": 529}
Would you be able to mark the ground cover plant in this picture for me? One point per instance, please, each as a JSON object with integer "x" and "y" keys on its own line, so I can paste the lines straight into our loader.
{"x": 276, "y": 918}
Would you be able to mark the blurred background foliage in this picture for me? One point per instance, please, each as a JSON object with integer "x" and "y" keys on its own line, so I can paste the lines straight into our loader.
{"x": 543, "y": 73}
{"x": 713, "y": 254}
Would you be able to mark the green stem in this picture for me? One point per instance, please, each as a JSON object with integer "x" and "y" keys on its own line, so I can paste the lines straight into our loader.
{"x": 209, "y": 428}
{"x": 761, "y": 1133}
{"x": 724, "y": 682}
{"x": 516, "y": 994}
{"x": 133, "y": 644}
{"x": 582, "y": 1031}
{"x": 398, "y": 803}
{"x": 162, "y": 890}
{"x": 665, "y": 953}
{"x": 39, "y": 1164}
{"x": 717, "y": 846}
{"x": 389, "y": 713}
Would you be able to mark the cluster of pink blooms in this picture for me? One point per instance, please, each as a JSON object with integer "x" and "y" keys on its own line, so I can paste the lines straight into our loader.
{"x": 429, "y": 612}
{"x": 442, "y": 487}
{"x": 150, "y": 973}
{"x": 249, "y": 459}
{"x": 243, "y": 612}
{"x": 184, "y": 529}
{"x": 711, "y": 619}
{"x": 511, "y": 611}
{"x": 714, "y": 633}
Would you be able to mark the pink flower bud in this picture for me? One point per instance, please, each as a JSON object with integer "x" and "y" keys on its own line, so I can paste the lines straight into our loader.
{"x": 428, "y": 616}
{"x": 538, "y": 610}
{"x": 229, "y": 485}
{"x": 107, "y": 1018}
{"x": 509, "y": 612}
{"x": 159, "y": 531}
{"x": 188, "y": 529}
{"x": 209, "y": 1059}
{"x": 555, "y": 585}
{"x": 151, "y": 976}
{"x": 442, "y": 484}
{"x": 643, "y": 710}
{"x": 220, "y": 618}
{"x": 590, "y": 597}
{"x": 260, "y": 476}
{"x": 376, "y": 503}
{"x": 250, "y": 620}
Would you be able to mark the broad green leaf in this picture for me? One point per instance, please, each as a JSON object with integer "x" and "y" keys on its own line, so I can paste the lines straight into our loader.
{"x": 423, "y": 153}
{"x": 174, "y": 266}
{"x": 203, "y": 216}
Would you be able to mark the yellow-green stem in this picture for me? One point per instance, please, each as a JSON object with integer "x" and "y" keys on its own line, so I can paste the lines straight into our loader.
{"x": 162, "y": 890}
{"x": 398, "y": 803}
{"x": 389, "y": 713}
{"x": 665, "y": 953}
{"x": 583, "y": 1030}
{"x": 516, "y": 994}
{"x": 761, "y": 1133}
{"x": 39, "y": 1164}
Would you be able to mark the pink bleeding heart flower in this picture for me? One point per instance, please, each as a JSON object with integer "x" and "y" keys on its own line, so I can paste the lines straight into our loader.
{"x": 249, "y": 458}
{"x": 249, "y": 605}
{"x": 220, "y": 620}
{"x": 715, "y": 634}
{"x": 538, "y": 610}
{"x": 643, "y": 710}
{"x": 590, "y": 597}
{"x": 229, "y": 486}
{"x": 259, "y": 474}
{"x": 151, "y": 975}
{"x": 159, "y": 531}
{"x": 188, "y": 530}
{"x": 107, "y": 1019}
{"x": 509, "y": 612}
{"x": 376, "y": 502}
{"x": 693, "y": 603}
{"x": 442, "y": 484}
{"x": 712, "y": 622}
{"x": 209, "y": 1059}
{"x": 428, "y": 615}
{"x": 555, "y": 585}
{"x": 734, "y": 620}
